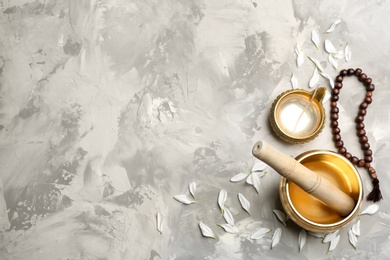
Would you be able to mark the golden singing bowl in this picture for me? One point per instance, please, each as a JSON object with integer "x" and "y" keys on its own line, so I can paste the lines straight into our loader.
{"x": 307, "y": 211}
{"x": 298, "y": 116}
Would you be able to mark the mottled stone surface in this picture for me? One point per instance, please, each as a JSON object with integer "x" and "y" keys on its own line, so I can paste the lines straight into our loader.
{"x": 108, "y": 109}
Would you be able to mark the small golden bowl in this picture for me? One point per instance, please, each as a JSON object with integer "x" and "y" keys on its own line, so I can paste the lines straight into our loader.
{"x": 298, "y": 116}
{"x": 307, "y": 211}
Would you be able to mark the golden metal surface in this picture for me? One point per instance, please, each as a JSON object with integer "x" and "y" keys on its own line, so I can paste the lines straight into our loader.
{"x": 307, "y": 211}
{"x": 297, "y": 116}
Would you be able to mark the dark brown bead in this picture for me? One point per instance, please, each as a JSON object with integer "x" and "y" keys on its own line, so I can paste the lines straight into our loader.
{"x": 362, "y": 112}
{"x": 358, "y": 71}
{"x": 362, "y": 77}
{"x": 368, "y": 152}
{"x": 361, "y": 132}
{"x": 348, "y": 155}
{"x": 343, "y": 73}
{"x": 334, "y": 124}
{"x": 334, "y": 98}
{"x": 334, "y": 117}
{"x": 363, "y": 105}
{"x": 367, "y": 165}
{"x": 335, "y": 130}
{"x": 370, "y": 88}
{"x": 333, "y": 104}
{"x": 369, "y": 94}
{"x": 338, "y": 85}
{"x": 368, "y": 159}
{"x": 335, "y": 91}
{"x": 339, "y": 79}
{"x": 365, "y": 146}
{"x": 339, "y": 144}
{"x": 372, "y": 172}
{"x": 368, "y": 81}
{"x": 350, "y": 72}
{"x": 334, "y": 110}
{"x": 342, "y": 150}
{"x": 354, "y": 160}
{"x": 368, "y": 100}
{"x": 359, "y": 119}
{"x": 361, "y": 163}
{"x": 360, "y": 126}
{"x": 363, "y": 139}
{"x": 336, "y": 137}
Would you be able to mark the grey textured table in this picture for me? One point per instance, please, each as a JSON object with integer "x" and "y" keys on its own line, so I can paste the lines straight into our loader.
{"x": 111, "y": 108}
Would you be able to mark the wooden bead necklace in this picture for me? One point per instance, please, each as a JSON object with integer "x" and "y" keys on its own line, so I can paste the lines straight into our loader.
{"x": 365, "y": 162}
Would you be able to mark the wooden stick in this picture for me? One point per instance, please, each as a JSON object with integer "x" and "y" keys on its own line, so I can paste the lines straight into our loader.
{"x": 309, "y": 181}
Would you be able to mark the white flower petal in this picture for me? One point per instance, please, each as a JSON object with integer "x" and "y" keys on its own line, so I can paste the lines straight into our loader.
{"x": 159, "y": 222}
{"x": 276, "y": 237}
{"x": 238, "y": 177}
{"x": 227, "y": 215}
{"x": 373, "y": 208}
{"x": 339, "y": 55}
{"x": 245, "y": 204}
{"x": 259, "y": 167}
{"x": 347, "y": 53}
{"x": 260, "y": 233}
{"x": 206, "y": 231}
{"x": 356, "y": 228}
{"x": 221, "y": 199}
{"x": 302, "y": 239}
{"x": 333, "y": 243}
{"x": 352, "y": 238}
{"x": 281, "y": 216}
{"x": 316, "y": 234}
{"x": 229, "y": 228}
{"x": 294, "y": 81}
{"x": 332, "y": 61}
{"x": 333, "y": 26}
{"x": 329, "y": 47}
{"x": 192, "y": 188}
{"x": 183, "y": 199}
{"x": 314, "y": 79}
{"x": 256, "y": 182}
{"x": 315, "y": 39}
{"x": 328, "y": 237}
{"x": 300, "y": 56}
{"x": 331, "y": 82}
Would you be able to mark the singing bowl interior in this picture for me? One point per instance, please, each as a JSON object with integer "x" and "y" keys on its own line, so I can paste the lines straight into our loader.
{"x": 309, "y": 212}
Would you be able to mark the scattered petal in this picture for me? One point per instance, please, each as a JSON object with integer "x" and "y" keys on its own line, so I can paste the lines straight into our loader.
{"x": 332, "y": 61}
{"x": 183, "y": 199}
{"x": 259, "y": 167}
{"x": 294, "y": 81}
{"x": 315, "y": 39}
{"x": 347, "y": 53}
{"x": 276, "y": 237}
{"x": 302, "y": 239}
{"x": 260, "y": 233}
{"x": 221, "y": 199}
{"x": 331, "y": 82}
{"x": 314, "y": 79}
{"x": 300, "y": 56}
{"x": 281, "y": 216}
{"x": 238, "y": 177}
{"x": 370, "y": 209}
{"x": 206, "y": 231}
{"x": 192, "y": 188}
{"x": 328, "y": 237}
{"x": 316, "y": 234}
{"x": 255, "y": 178}
{"x": 245, "y": 204}
{"x": 352, "y": 238}
{"x": 333, "y": 26}
{"x": 333, "y": 243}
{"x": 229, "y": 228}
{"x": 317, "y": 63}
{"x": 159, "y": 222}
{"x": 356, "y": 228}
{"x": 329, "y": 47}
{"x": 227, "y": 215}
